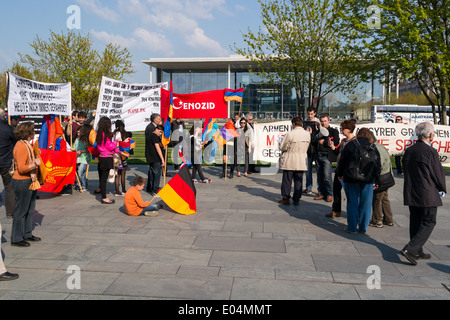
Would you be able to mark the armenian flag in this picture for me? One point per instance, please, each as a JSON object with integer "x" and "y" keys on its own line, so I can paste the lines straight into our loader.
{"x": 180, "y": 193}
{"x": 126, "y": 147}
{"x": 165, "y": 139}
{"x": 234, "y": 95}
{"x": 51, "y": 135}
{"x": 207, "y": 127}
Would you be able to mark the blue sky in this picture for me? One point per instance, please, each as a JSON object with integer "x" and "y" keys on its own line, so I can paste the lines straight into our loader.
{"x": 148, "y": 28}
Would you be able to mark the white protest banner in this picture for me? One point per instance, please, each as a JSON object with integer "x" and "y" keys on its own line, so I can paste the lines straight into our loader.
{"x": 268, "y": 137}
{"x": 131, "y": 103}
{"x": 28, "y": 97}
{"x": 395, "y": 137}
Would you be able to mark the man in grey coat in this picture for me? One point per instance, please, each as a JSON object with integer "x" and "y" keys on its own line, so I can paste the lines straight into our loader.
{"x": 294, "y": 161}
{"x": 424, "y": 186}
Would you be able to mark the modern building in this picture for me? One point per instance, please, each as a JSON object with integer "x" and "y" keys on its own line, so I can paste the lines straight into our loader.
{"x": 190, "y": 75}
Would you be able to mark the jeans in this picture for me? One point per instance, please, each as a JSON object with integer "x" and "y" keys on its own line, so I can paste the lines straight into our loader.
{"x": 359, "y": 205}
{"x": 308, "y": 173}
{"x": 150, "y": 207}
{"x": 154, "y": 177}
{"x": 25, "y": 204}
{"x": 81, "y": 171}
{"x": 324, "y": 178}
{"x": 9, "y": 192}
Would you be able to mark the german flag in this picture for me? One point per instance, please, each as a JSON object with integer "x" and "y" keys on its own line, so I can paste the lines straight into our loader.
{"x": 179, "y": 193}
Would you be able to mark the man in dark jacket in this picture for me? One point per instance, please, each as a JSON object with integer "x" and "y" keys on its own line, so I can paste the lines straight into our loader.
{"x": 324, "y": 159}
{"x": 7, "y": 142}
{"x": 423, "y": 188}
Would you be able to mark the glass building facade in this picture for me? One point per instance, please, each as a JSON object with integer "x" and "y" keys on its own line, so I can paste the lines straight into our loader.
{"x": 263, "y": 101}
{"x": 190, "y": 75}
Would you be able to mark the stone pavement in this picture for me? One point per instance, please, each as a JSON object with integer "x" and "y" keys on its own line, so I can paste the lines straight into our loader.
{"x": 241, "y": 245}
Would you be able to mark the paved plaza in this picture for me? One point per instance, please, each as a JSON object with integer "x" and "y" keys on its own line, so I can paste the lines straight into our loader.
{"x": 241, "y": 245}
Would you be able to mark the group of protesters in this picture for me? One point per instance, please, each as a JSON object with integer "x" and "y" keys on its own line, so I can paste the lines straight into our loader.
{"x": 363, "y": 170}
{"x": 312, "y": 140}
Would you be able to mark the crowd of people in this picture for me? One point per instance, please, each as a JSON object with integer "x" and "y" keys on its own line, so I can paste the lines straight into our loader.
{"x": 365, "y": 184}
{"x": 364, "y": 171}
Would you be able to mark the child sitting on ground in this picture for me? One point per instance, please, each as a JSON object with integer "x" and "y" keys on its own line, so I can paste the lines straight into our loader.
{"x": 134, "y": 205}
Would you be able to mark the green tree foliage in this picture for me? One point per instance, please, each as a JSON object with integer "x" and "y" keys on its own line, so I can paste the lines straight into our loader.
{"x": 71, "y": 58}
{"x": 412, "y": 40}
{"x": 300, "y": 46}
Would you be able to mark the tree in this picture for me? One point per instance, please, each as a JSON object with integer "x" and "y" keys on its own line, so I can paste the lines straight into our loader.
{"x": 71, "y": 58}
{"x": 412, "y": 40}
{"x": 300, "y": 47}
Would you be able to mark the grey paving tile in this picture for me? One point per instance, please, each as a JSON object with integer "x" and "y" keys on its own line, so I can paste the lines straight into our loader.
{"x": 263, "y": 260}
{"x": 261, "y": 289}
{"x": 176, "y": 287}
{"x": 239, "y": 244}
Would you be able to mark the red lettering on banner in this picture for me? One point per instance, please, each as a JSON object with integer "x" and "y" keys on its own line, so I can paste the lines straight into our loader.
{"x": 384, "y": 142}
{"x": 270, "y": 142}
{"x": 441, "y": 146}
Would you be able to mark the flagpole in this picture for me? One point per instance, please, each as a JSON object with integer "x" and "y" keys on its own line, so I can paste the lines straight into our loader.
{"x": 165, "y": 163}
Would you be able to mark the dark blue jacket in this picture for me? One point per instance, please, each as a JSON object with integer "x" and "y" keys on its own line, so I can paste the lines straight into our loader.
{"x": 424, "y": 176}
{"x": 7, "y": 143}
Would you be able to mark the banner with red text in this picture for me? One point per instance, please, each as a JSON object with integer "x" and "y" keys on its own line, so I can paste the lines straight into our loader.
{"x": 200, "y": 105}
{"x": 395, "y": 137}
{"x": 131, "y": 103}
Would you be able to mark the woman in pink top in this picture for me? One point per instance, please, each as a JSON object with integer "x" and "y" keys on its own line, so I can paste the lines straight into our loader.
{"x": 107, "y": 148}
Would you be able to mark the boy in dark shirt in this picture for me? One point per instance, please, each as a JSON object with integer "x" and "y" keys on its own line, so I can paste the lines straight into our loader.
{"x": 155, "y": 161}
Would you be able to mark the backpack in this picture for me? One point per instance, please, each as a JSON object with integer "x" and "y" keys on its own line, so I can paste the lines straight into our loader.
{"x": 363, "y": 164}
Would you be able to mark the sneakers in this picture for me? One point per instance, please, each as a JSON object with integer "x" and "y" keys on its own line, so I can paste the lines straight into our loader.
{"x": 194, "y": 180}
{"x": 151, "y": 213}
{"x": 307, "y": 191}
{"x": 207, "y": 181}
{"x": 119, "y": 194}
{"x": 376, "y": 224}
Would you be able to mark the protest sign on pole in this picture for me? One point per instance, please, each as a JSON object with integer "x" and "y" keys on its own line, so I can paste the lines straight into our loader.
{"x": 131, "y": 103}
{"x": 199, "y": 105}
{"x": 395, "y": 137}
{"x": 28, "y": 97}
{"x": 268, "y": 137}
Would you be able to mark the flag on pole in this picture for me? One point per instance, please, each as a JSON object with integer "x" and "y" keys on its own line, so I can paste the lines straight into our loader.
{"x": 227, "y": 132}
{"x": 179, "y": 193}
{"x": 234, "y": 95}
{"x": 207, "y": 127}
{"x": 51, "y": 134}
{"x": 165, "y": 139}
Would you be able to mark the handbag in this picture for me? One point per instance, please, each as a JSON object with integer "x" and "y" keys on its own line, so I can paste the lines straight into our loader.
{"x": 385, "y": 182}
{"x": 11, "y": 170}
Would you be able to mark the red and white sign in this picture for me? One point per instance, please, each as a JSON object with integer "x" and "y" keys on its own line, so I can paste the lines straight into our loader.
{"x": 200, "y": 105}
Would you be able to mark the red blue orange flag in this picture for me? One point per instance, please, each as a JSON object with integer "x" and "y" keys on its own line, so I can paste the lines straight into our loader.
{"x": 234, "y": 95}
{"x": 165, "y": 139}
{"x": 207, "y": 127}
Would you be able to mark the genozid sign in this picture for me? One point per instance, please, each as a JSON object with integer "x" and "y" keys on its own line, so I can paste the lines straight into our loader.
{"x": 200, "y": 105}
